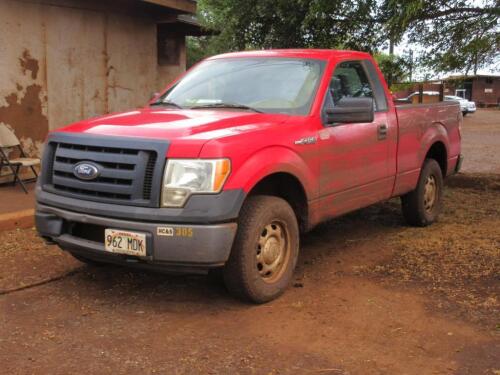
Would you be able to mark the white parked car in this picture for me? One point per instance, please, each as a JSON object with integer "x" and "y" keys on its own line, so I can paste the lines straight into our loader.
{"x": 465, "y": 105}
{"x": 472, "y": 107}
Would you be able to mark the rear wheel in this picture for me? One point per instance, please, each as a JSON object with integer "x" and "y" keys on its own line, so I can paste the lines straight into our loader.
{"x": 265, "y": 250}
{"x": 422, "y": 206}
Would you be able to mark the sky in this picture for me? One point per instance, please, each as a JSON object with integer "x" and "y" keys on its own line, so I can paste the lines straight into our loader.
{"x": 403, "y": 47}
{"x": 493, "y": 69}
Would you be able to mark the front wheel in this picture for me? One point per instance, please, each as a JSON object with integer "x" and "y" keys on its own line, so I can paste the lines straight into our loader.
{"x": 265, "y": 250}
{"x": 422, "y": 206}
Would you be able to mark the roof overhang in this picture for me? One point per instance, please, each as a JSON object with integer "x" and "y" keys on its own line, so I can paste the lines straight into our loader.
{"x": 185, "y": 24}
{"x": 187, "y": 6}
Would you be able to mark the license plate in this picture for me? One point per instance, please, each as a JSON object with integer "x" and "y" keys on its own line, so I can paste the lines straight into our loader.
{"x": 124, "y": 242}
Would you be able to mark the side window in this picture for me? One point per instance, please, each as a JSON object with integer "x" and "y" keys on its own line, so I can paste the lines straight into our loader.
{"x": 349, "y": 80}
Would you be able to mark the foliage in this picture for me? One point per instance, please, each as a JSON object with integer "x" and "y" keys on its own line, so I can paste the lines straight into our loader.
{"x": 347, "y": 24}
{"x": 394, "y": 68}
{"x": 198, "y": 48}
{"x": 458, "y": 35}
{"x": 405, "y": 86}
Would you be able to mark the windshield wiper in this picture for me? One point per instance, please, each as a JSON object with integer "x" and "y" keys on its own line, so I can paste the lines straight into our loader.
{"x": 225, "y": 105}
{"x": 167, "y": 103}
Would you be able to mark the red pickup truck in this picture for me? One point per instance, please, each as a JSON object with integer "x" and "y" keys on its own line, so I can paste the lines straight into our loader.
{"x": 238, "y": 157}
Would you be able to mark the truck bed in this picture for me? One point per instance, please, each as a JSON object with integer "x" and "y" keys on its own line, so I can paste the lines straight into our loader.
{"x": 421, "y": 125}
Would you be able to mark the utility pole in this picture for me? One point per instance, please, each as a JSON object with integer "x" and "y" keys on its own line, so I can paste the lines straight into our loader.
{"x": 411, "y": 65}
{"x": 475, "y": 62}
{"x": 391, "y": 54}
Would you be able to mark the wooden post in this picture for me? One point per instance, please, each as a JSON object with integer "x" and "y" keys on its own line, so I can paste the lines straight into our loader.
{"x": 441, "y": 91}
{"x": 420, "y": 93}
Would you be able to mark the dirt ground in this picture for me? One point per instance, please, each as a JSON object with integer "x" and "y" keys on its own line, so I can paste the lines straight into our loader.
{"x": 481, "y": 142}
{"x": 370, "y": 296}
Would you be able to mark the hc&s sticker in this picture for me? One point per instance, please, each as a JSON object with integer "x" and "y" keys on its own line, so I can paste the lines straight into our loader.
{"x": 165, "y": 231}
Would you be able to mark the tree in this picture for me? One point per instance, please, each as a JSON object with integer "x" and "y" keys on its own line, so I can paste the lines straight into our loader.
{"x": 454, "y": 34}
{"x": 257, "y": 24}
{"x": 200, "y": 47}
{"x": 394, "y": 68}
{"x": 458, "y": 35}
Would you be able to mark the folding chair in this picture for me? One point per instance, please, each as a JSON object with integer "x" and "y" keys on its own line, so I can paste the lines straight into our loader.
{"x": 8, "y": 140}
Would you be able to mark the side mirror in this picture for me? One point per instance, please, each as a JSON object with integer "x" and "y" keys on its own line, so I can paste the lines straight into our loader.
{"x": 351, "y": 110}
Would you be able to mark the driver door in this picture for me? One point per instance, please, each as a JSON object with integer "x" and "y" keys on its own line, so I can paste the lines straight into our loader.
{"x": 355, "y": 157}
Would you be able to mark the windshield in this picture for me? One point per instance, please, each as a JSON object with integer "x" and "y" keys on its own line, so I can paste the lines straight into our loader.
{"x": 272, "y": 85}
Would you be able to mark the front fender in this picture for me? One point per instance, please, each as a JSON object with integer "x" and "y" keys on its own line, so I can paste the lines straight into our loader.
{"x": 274, "y": 159}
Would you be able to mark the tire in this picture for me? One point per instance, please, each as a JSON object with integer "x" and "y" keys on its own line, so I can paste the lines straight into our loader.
{"x": 265, "y": 250}
{"x": 90, "y": 262}
{"x": 422, "y": 206}
{"x": 464, "y": 114}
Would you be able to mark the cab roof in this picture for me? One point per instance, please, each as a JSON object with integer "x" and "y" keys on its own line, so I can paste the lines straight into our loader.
{"x": 321, "y": 54}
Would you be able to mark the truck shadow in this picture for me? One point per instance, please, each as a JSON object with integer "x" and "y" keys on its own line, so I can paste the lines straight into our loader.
{"x": 344, "y": 246}
{"x": 334, "y": 242}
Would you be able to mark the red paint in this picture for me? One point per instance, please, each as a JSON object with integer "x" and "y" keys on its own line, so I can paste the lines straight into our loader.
{"x": 347, "y": 168}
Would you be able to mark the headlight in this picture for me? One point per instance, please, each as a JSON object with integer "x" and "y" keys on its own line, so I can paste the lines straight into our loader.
{"x": 184, "y": 177}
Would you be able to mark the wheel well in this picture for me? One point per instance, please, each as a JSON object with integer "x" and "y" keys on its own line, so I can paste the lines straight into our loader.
{"x": 438, "y": 153}
{"x": 288, "y": 187}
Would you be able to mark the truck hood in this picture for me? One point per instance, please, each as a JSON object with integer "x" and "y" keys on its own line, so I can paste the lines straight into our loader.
{"x": 185, "y": 130}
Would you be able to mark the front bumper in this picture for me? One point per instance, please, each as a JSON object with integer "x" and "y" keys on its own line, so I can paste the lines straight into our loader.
{"x": 199, "y": 247}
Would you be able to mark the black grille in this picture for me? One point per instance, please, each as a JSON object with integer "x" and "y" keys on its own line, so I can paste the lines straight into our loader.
{"x": 148, "y": 177}
{"x": 89, "y": 232}
{"x": 127, "y": 174}
{"x": 107, "y": 150}
{"x": 108, "y": 180}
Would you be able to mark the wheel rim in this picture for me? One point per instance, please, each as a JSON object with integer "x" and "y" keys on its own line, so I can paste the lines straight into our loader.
{"x": 273, "y": 251}
{"x": 430, "y": 193}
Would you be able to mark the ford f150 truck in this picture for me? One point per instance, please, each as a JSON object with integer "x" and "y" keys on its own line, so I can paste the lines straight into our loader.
{"x": 234, "y": 160}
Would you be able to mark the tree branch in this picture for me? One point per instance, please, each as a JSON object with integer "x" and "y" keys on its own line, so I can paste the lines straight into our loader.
{"x": 447, "y": 12}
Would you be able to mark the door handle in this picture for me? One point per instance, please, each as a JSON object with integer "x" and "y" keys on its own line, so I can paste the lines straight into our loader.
{"x": 382, "y": 131}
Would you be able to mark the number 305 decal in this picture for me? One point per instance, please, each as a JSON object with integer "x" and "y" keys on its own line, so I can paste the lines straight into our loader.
{"x": 177, "y": 232}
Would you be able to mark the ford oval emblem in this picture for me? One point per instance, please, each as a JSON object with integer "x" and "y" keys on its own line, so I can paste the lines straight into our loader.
{"x": 86, "y": 170}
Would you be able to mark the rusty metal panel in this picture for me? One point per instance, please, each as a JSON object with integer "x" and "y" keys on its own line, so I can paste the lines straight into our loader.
{"x": 61, "y": 64}
{"x": 23, "y": 89}
{"x": 131, "y": 47}
{"x": 75, "y": 65}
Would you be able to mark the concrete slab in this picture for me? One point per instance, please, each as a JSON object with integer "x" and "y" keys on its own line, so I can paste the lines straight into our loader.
{"x": 17, "y": 219}
{"x": 16, "y": 207}
{"x": 13, "y": 198}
